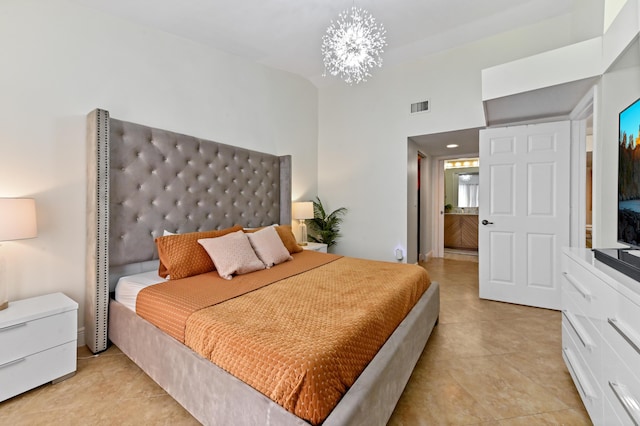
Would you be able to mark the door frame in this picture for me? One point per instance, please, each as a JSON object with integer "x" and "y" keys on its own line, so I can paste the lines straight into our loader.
{"x": 437, "y": 177}
{"x": 578, "y": 117}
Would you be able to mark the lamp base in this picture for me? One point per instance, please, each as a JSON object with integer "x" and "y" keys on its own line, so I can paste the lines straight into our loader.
{"x": 5, "y": 305}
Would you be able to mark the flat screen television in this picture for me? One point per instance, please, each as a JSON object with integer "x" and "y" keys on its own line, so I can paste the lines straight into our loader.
{"x": 627, "y": 260}
{"x": 629, "y": 175}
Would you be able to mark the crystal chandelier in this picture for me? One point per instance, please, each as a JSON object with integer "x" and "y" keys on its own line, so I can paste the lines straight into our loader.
{"x": 353, "y": 45}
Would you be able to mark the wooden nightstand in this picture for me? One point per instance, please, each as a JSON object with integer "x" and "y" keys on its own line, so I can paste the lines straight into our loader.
{"x": 38, "y": 343}
{"x": 322, "y": 248}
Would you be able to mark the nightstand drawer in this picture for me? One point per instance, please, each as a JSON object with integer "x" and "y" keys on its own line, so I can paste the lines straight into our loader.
{"x": 26, "y": 373}
{"x": 319, "y": 247}
{"x": 25, "y": 338}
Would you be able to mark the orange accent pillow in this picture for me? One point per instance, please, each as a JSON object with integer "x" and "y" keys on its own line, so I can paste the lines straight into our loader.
{"x": 288, "y": 239}
{"x": 286, "y": 235}
{"x": 181, "y": 256}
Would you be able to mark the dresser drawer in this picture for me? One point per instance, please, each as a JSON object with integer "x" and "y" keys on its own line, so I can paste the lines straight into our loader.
{"x": 26, "y": 338}
{"x": 610, "y": 415}
{"x": 622, "y": 329}
{"x": 583, "y": 332}
{"x": 26, "y": 373}
{"x": 585, "y": 380}
{"x": 581, "y": 286}
{"x": 621, "y": 387}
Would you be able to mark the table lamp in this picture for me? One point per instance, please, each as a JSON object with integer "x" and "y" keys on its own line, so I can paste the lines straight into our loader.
{"x": 17, "y": 222}
{"x": 301, "y": 211}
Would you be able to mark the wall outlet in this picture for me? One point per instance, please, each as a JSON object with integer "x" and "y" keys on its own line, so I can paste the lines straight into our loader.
{"x": 399, "y": 254}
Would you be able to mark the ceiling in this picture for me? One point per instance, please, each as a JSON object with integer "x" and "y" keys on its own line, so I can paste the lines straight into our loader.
{"x": 435, "y": 144}
{"x": 554, "y": 101}
{"x": 286, "y": 34}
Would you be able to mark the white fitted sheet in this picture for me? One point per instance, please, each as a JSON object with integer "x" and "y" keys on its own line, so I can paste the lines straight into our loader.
{"x": 129, "y": 286}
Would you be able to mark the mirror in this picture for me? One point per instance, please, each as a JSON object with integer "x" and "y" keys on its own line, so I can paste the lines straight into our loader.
{"x": 461, "y": 179}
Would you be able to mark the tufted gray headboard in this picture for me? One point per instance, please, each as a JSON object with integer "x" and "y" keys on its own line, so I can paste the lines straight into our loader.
{"x": 142, "y": 181}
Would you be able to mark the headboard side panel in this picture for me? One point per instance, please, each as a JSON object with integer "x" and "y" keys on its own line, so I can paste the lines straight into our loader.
{"x": 285, "y": 190}
{"x": 162, "y": 180}
{"x": 97, "y": 268}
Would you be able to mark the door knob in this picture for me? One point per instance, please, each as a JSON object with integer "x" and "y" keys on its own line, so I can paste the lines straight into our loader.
{"x": 486, "y": 222}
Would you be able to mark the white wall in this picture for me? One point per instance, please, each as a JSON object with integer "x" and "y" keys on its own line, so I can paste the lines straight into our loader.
{"x": 611, "y": 10}
{"x": 60, "y": 61}
{"x": 363, "y": 151}
{"x": 619, "y": 87}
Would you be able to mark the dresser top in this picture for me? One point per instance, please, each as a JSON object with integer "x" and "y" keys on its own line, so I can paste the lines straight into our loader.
{"x": 36, "y": 307}
{"x": 616, "y": 279}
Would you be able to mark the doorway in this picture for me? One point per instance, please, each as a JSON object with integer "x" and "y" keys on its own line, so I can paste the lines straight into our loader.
{"x": 433, "y": 149}
{"x": 461, "y": 202}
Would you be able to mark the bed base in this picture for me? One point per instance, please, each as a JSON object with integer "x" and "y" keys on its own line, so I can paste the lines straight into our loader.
{"x": 215, "y": 397}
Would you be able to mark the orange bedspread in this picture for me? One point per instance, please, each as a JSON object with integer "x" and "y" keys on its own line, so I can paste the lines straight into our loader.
{"x": 168, "y": 305}
{"x": 303, "y": 341}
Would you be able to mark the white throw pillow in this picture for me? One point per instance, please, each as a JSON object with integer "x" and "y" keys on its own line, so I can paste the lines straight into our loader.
{"x": 268, "y": 246}
{"x": 232, "y": 254}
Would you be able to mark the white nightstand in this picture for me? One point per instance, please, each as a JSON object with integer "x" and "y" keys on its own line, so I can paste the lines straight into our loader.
{"x": 322, "y": 248}
{"x": 38, "y": 342}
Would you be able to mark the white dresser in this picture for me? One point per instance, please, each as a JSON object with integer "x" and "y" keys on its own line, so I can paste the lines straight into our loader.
{"x": 38, "y": 342}
{"x": 601, "y": 337}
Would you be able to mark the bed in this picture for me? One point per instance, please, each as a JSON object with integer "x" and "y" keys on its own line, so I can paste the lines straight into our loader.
{"x": 144, "y": 181}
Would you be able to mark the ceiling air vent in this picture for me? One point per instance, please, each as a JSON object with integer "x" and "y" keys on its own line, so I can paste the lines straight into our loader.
{"x": 422, "y": 106}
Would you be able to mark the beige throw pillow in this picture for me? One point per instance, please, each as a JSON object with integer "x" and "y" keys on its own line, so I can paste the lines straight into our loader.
{"x": 268, "y": 246}
{"x": 232, "y": 254}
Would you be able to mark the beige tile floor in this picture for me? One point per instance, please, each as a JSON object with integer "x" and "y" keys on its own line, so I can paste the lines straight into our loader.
{"x": 485, "y": 363}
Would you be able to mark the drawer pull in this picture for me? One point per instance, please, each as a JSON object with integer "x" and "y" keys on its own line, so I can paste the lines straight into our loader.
{"x": 580, "y": 332}
{"x": 630, "y": 404}
{"x": 583, "y": 291}
{"x": 581, "y": 379}
{"x": 15, "y": 361}
{"x": 11, "y": 327}
{"x": 626, "y": 333}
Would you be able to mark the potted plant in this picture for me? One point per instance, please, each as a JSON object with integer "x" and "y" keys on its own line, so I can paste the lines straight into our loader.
{"x": 325, "y": 228}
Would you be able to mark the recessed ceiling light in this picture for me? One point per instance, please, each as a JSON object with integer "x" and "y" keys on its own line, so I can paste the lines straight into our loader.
{"x": 452, "y": 145}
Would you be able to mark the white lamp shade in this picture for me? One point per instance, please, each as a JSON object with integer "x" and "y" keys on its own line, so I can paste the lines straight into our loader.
{"x": 17, "y": 218}
{"x": 303, "y": 210}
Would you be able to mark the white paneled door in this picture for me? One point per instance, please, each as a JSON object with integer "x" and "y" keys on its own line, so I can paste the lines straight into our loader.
{"x": 524, "y": 212}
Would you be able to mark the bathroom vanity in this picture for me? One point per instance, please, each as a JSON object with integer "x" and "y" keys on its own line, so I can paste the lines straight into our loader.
{"x": 461, "y": 231}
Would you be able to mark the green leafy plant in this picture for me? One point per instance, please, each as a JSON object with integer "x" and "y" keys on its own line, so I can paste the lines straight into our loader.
{"x": 325, "y": 228}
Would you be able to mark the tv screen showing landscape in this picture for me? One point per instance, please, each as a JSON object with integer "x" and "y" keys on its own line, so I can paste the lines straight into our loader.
{"x": 629, "y": 175}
